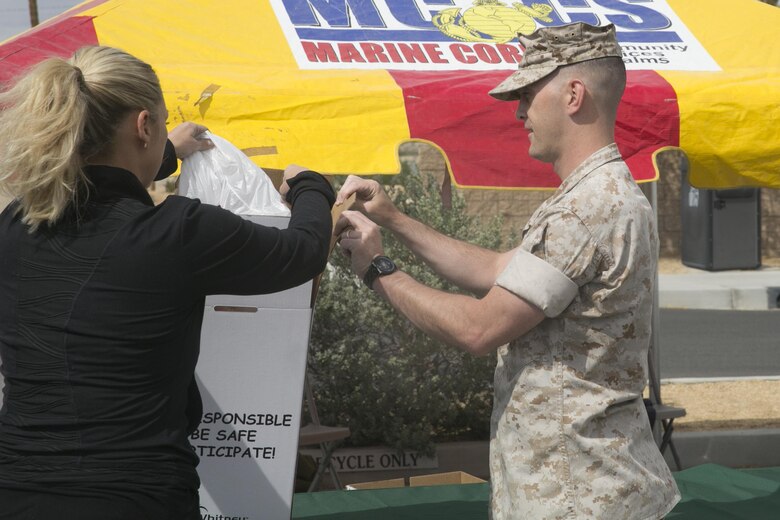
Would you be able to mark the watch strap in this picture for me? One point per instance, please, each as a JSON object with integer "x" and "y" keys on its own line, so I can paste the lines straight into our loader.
{"x": 371, "y": 275}
{"x": 379, "y": 266}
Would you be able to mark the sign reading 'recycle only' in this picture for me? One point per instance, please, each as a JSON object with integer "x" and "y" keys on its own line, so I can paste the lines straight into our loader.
{"x": 474, "y": 34}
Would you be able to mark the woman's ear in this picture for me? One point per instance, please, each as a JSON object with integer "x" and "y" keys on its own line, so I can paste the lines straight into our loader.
{"x": 144, "y": 127}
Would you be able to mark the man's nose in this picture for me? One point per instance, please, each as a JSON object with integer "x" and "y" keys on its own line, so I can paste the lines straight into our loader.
{"x": 520, "y": 114}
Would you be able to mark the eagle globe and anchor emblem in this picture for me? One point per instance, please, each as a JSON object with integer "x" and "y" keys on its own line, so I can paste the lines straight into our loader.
{"x": 490, "y": 21}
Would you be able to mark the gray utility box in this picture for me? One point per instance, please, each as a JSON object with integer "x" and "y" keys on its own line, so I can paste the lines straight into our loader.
{"x": 721, "y": 229}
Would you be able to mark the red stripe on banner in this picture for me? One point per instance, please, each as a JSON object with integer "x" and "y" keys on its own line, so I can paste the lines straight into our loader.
{"x": 648, "y": 119}
{"x": 57, "y": 38}
{"x": 486, "y": 145}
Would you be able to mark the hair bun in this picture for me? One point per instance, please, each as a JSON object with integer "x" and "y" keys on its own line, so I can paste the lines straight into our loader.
{"x": 80, "y": 76}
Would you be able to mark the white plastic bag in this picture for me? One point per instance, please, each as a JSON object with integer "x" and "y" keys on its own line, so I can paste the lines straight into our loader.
{"x": 224, "y": 176}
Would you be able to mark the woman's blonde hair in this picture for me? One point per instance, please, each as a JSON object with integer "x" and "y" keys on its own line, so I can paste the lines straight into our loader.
{"x": 57, "y": 116}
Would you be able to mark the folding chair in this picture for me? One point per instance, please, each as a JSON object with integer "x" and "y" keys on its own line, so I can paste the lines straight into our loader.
{"x": 663, "y": 413}
{"x": 667, "y": 415}
{"x": 327, "y": 437}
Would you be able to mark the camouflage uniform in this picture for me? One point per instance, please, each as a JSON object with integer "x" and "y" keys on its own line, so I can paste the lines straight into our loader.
{"x": 570, "y": 435}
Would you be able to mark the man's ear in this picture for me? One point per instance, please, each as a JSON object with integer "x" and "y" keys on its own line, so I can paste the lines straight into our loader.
{"x": 143, "y": 127}
{"x": 575, "y": 96}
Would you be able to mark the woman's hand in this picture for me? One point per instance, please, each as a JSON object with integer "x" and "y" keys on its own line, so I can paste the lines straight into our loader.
{"x": 185, "y": 139}
{"x": 289, "y": 172}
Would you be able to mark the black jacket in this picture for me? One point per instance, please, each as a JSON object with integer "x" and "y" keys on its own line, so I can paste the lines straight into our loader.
{"x": 100, "y": 319}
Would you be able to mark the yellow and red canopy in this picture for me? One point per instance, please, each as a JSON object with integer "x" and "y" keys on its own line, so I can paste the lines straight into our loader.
{"x": 339, "y": 84}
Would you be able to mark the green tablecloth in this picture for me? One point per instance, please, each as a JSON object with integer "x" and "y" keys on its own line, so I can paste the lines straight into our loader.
{"x": 712, "y": 492}
{"x": 454, "y": 502}
{"x": 709, "y": 491}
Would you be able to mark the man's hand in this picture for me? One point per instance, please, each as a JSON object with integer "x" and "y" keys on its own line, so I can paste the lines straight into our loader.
{"x": 359, "y": 239}
{"x": 370, "y": 199}
{"x": 185, "y": 139}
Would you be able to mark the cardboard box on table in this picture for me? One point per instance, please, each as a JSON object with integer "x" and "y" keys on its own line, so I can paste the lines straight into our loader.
{"x": 251, "y": 372}
{"x": 434, "y": 479}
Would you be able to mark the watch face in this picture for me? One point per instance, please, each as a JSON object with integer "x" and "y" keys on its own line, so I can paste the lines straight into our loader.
{"x": 384, "y": 265}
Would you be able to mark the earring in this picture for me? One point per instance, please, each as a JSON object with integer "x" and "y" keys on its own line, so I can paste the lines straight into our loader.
{"x": 146, "y": 144}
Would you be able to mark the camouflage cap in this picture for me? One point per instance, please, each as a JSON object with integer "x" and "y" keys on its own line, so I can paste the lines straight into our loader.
{"x": 548, "y": 48}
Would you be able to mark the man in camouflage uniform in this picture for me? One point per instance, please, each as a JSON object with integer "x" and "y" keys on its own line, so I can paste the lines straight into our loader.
{"x": 568, "y": 310}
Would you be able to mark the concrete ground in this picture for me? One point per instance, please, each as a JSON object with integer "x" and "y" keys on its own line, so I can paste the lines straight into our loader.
{"x": 684, "y": 287}
{"x": 730, "y": 421}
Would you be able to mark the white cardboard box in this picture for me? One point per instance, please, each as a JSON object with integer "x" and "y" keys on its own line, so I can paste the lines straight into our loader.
{"x": 250, "y": 372}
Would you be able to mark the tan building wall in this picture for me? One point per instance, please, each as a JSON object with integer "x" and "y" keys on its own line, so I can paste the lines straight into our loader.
{"x": 516, "y": 206}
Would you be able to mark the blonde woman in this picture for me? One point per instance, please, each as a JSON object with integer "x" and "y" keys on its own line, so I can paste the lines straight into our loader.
{"x": 102, "y": 293}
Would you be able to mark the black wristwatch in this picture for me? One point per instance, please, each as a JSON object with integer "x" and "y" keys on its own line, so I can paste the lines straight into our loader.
{"x": 379, "y": 266}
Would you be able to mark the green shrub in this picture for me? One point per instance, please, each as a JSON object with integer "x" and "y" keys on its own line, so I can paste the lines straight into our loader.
{"x": 375, "y": 372}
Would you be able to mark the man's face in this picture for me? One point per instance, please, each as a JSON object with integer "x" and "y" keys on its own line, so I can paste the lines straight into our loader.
{"x": 539, "y": 109}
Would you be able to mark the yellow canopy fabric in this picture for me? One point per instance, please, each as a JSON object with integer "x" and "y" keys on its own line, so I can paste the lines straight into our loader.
{"x": 346, "y": 123}
{"x": 730, "y": 120}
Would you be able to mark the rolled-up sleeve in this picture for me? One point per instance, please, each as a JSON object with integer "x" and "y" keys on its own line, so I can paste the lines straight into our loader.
{"x": 538, "y": 282}
{"x": 554, "y": 260}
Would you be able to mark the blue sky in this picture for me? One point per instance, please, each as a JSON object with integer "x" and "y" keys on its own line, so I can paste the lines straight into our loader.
{"x": 15, "y": 16}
